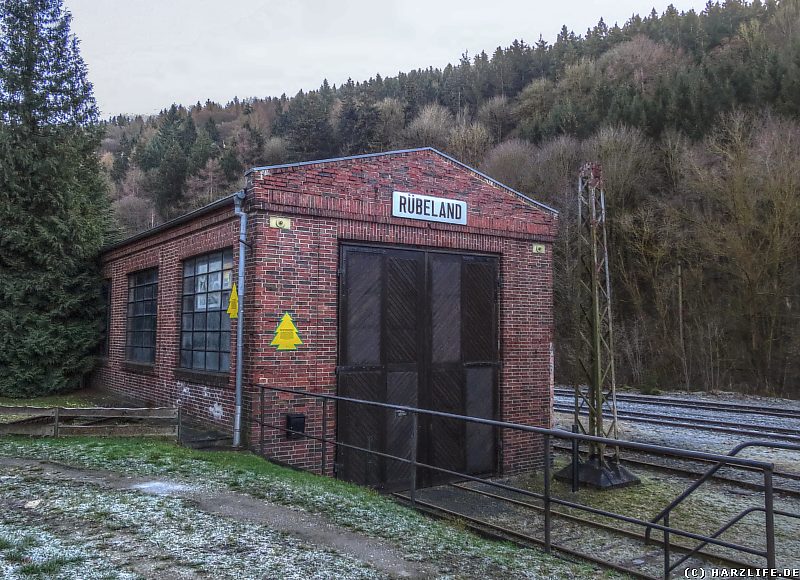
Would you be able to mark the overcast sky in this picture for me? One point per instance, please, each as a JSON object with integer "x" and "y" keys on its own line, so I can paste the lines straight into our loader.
{"x": 143, "y": 55}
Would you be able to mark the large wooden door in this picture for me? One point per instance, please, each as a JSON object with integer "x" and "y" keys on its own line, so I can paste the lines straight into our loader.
{"x": 419, "y": 329}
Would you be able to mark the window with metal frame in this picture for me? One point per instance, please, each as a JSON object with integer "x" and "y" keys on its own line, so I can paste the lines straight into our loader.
{"x": 205, "y": 324}
{"x": 140, "y": 337}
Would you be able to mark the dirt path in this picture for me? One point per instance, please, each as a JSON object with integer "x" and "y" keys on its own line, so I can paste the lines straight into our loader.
{"x": 308, "y": 528}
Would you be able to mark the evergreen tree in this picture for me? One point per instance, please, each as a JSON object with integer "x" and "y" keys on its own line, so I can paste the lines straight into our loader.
{"x": 53, "y": 207}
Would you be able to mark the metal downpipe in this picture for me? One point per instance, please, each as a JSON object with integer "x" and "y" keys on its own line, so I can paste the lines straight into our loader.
{"x": 238, "y": 199}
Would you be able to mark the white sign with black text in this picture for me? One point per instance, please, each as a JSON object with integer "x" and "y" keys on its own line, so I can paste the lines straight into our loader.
{"x": 432, "y": 209}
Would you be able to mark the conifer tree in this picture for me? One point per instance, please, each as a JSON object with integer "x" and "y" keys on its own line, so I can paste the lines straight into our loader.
{"x": 53, "y": 207}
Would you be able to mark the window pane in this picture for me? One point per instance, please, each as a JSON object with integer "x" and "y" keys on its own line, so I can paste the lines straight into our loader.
{"x": 186, "y": 323}
{"x": 215, "y": 263}
{"x": 186, "y": 359}
{"x": 212, "y": 361}
{"x": 188, "y": 268}
{"x": 225, "y": 341}
{"x": 224, "y": 361}
{"x": 214, "y": 300}
{"x": 202, "y": 266}
{"x": 200, "y": 301}
{"x": 226, "y": 322}
{"x": 215, "y": 281}
{"x": 188, "y": 285}
{"x": 198, "y": 360}
{"x": 200, "y": 321}
{"x": 212, "y": 341}
{"x": 213, "y": 320}
{"x": 198, "y": 340}
{"x": 227, "y": 279}
{"x": 227, "y": 259}
{"x": 188, "y": 303}
{"x": 201, "y": 284}
{"x": 186, "y": 340}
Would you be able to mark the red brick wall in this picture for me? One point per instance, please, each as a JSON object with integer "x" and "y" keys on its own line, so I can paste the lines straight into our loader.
{"x": 161, "y": 384}
{"x": 295, "y": 271}
{"x": 351, "y": 201}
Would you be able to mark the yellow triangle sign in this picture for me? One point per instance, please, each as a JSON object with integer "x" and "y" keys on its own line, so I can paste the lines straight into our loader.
{"x": 286, "y": 336}
{"x": 233, "y": 304}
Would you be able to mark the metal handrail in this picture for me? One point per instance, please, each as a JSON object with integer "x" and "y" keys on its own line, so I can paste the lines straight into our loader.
{"x": 768, "y": 509}
{"x": 560, "y": 433}
{"x": 546, "y": 498}
{"x": 714, "y": 468}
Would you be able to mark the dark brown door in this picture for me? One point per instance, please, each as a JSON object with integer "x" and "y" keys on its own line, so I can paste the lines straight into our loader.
{"x": 419, "y": 329}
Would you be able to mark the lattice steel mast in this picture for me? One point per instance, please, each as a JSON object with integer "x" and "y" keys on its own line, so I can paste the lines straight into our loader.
{"x": 598, "y": 400}
{"x": 594, "y": 299}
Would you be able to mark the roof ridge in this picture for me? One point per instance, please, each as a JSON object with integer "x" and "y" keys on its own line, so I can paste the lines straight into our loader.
{"x": 401, "y": 152}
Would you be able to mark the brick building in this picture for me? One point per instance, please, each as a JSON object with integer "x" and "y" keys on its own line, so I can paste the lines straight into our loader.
{"x": 409, "y": 277}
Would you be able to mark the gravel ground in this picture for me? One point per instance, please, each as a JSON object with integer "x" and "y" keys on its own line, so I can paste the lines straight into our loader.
{"x": 81, "y": 530}
{"x": 126, "y": 508}
{"x": 714, "y": 502}
{"x": 702, "y": 513}
{"x": 714, "y": 442}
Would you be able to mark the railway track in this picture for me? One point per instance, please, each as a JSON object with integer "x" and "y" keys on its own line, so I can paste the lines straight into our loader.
{"x": 660, "y": 401}
{"x": 496, "y": 532}
{"x": 719, "y": 426}
{"x": 505, "y": 532}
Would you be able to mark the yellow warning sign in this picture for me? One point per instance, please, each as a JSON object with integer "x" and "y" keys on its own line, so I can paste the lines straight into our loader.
{"x": 286, "y": 336}
{"x": 233, "y": 304}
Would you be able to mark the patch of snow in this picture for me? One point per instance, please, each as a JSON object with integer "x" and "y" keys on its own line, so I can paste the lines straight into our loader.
{"x": 161, "y": 487}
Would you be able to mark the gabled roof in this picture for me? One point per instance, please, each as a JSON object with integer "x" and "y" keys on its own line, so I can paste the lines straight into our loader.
{"x": 401, "y": 152}
{"x": 229, "y": 198}
{"x": 214, "y": 205}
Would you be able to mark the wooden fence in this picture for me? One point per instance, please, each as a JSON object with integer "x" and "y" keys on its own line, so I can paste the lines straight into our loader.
{"x": 95, "y": 421}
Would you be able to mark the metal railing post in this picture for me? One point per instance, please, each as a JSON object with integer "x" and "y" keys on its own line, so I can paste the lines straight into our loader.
{"x": 413, "y": 488}
{"x": 261, "y": 421}
{"x": 324, "y": 434}
{"x": 769, "y": 517}
{"x": 667, "y": 555}
{"x": 575, "y": 461}
{"x": 547, "y": 514}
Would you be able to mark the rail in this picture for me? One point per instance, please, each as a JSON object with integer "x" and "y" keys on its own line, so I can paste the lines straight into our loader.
{"x": 546, "y": 497}
{"x": 96, "y": 421}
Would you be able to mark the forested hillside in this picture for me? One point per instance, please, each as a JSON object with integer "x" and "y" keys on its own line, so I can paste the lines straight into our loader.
{"x": 694, "y": 116}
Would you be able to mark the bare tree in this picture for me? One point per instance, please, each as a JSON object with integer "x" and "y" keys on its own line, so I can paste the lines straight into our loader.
{"x": 390, "y": 123}
{"x": 748, "y": 229}
{"x": 498, "y": 116}
{"x": 431, "y": 128}
{"x": 512, "y": 163}
{"x": 468, "y": 140}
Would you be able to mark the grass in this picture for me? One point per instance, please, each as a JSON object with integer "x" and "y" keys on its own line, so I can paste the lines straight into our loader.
{"x": 83, "y": 398}
{"x": 23, "y": 552}
{"x": 452, "y": 550}
{"x": 48, "y": 567}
